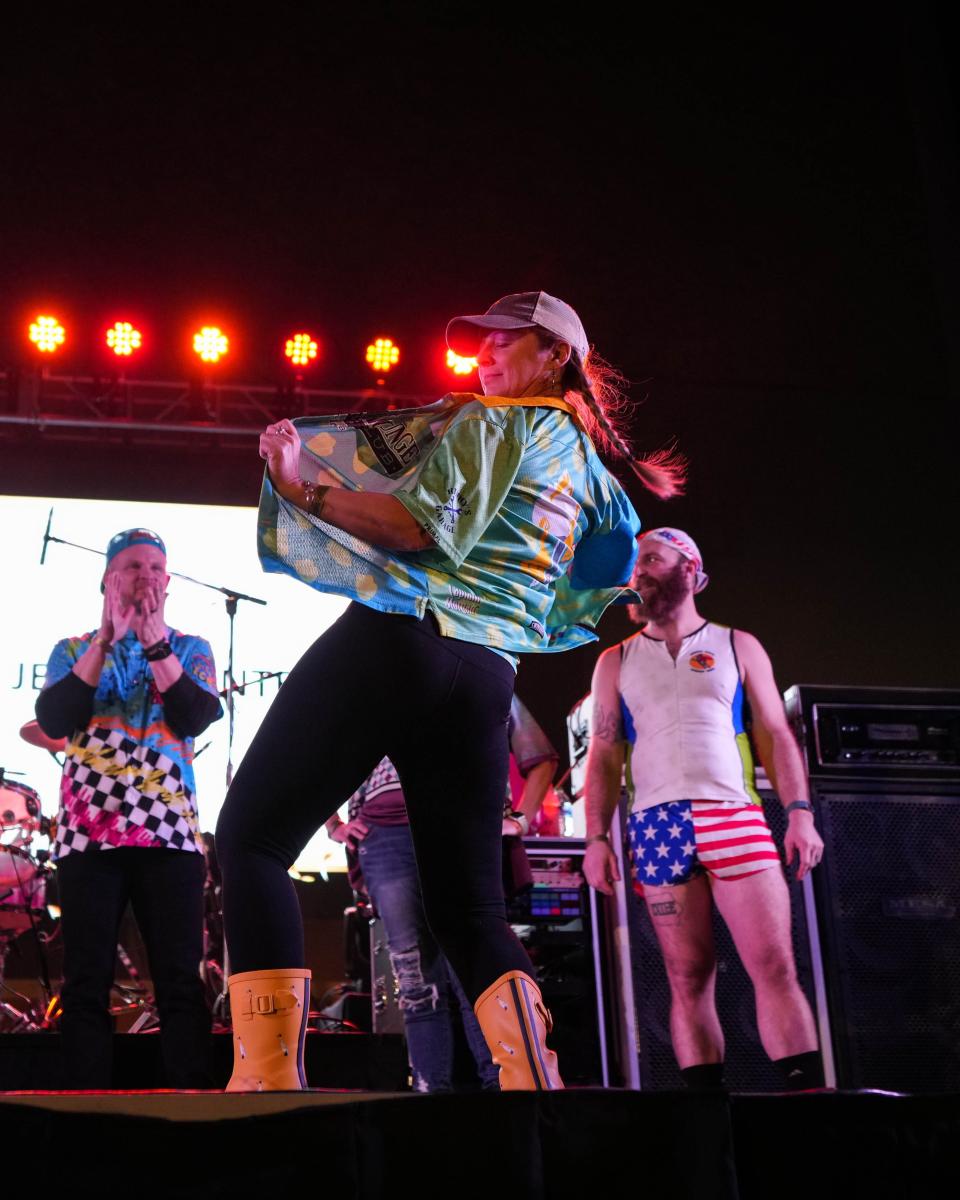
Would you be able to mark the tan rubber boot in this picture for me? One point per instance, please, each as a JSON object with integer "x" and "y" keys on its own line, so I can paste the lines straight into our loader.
{"x": 269, "y": 1011}
{"x": 515, "y": 1024}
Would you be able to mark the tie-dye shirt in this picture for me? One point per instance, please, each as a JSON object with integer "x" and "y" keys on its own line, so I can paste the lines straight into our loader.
{"x": 128, "y": 778}
{"x": 534, "y": 537}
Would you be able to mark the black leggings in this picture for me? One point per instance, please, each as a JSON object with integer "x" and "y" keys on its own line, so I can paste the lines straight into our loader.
{"x": 378, "y": 684}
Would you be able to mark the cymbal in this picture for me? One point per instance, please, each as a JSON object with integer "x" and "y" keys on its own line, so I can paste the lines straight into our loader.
{"x": 32, "y": 733}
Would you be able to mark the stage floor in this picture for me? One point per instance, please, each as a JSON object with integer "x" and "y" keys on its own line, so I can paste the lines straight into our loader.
{"x": 546, "y": 1146}
{"x": 188, "y": 1106}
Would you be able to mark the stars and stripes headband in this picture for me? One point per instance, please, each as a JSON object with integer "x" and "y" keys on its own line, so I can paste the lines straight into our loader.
{"x": 684, "y": 544}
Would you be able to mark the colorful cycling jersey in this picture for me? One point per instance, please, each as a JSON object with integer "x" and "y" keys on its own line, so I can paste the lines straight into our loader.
{"x": 534, "y": 537}
{"x": 683, "y": 720}
{"x": 128, "y": 778}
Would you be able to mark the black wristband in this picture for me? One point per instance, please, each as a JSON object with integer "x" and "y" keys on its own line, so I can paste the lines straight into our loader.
{"x": 158, "y": 650}
{"x": 804, "y": 804}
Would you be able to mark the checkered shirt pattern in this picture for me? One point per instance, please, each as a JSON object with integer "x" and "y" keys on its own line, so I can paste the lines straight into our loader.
{"x": 117, "y": 792}
{"x": 383, "y": 778}
{"x": 672, "y": 843}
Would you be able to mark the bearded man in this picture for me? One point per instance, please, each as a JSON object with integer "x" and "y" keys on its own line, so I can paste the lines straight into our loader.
{"x": 669, "y": 704}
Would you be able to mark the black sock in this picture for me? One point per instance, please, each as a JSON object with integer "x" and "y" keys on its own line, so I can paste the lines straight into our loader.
{"x": 802, "y": 1071}
{"x": 704, "y": 1077}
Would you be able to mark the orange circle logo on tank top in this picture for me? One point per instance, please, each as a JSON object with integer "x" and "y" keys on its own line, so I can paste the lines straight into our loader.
{"x": 703, "y": 660}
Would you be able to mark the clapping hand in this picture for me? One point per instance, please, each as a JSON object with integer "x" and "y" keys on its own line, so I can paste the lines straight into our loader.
{"x": 115, "y": 619}
{"x": 148, "y": 623}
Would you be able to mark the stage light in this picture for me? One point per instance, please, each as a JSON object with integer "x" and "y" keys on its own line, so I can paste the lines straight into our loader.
{"x": 382, "y": 354}
{"x": 47, "y": 334}
{"x": 301, "y": 349}
{"x": 211, "y": 344}
{"x": 460, "y": 365}
{"x": 123, "y": 339}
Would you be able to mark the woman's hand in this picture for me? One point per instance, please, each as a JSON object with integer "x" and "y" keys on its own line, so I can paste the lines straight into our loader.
{"x": 280, "y": 446}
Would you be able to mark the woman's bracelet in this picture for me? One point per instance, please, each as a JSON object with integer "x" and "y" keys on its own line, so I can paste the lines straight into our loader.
{"x": 315, "y": 495}
{"x": 597, "y": 837}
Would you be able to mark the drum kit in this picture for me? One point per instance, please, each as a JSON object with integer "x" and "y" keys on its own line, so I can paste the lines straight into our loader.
{"x": 25, "y": 871}
{"x": 27, "y": 874}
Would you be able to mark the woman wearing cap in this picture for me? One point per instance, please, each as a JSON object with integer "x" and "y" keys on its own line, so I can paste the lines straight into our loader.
{"x": 466, "y": 532}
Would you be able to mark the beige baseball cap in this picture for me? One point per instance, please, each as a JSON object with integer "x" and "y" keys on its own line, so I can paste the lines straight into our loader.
{"x": 521, "y": 310}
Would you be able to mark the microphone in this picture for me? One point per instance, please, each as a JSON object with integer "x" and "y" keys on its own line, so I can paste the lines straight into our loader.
{"x": 46, "y": 538}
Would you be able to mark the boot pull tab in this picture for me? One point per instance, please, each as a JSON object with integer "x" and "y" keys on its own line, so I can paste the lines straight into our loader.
{"x": 544, "y": 1016}
{"x": 285, "y": 998}
{"x": 274, "y": 1002}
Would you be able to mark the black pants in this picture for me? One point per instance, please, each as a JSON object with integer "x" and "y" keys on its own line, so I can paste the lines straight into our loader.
{"x": 165, "y": 889}
{"x": 378, "y": 684}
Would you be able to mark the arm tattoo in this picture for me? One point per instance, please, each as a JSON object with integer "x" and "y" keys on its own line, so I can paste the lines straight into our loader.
{"x": 605, "y": 725}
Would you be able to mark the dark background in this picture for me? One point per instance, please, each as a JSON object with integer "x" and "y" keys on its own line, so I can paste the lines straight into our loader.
{"x": 754, "y": 216}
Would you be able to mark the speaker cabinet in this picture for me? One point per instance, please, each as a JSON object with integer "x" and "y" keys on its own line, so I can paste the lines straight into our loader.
{"x": 884, "y": 766}
{"x": 888, "y": 912}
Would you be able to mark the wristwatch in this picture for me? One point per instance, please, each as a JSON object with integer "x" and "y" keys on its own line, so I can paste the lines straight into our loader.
{"x": 158, "y": 651}
{"x": 803, "y": 804}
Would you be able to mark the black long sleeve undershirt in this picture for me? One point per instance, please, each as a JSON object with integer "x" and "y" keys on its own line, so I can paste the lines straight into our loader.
{"x": 65, "y": 706}
{"x": 68, "y": 705}
{"x": 189, "y": 708}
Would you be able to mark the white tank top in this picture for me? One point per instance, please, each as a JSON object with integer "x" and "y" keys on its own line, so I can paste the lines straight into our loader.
{"x": 683, "y": 720}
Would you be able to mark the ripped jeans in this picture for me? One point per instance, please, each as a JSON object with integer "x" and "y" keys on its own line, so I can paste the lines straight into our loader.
{"x": 429, "y": 990}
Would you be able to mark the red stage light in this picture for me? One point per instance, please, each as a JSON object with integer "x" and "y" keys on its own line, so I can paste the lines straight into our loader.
{"x": 47, "y": 334}
{"x": 211, "y": 344}
{"x": 459, "y": 365}
{"x": 382, "y": 354}
{"x": 123, "y": 339}
{"x": 301, "y": 349}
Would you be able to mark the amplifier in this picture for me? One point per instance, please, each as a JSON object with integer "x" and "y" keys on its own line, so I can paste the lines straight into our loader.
{"x": 563, "y": 929}
{"x": 877, "y": 733}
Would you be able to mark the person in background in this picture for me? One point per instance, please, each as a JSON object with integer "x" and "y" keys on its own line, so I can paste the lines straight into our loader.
{"x": 669, "y": 703}
{"x": 382, "y": 861}
{"x": 130, "y": 697}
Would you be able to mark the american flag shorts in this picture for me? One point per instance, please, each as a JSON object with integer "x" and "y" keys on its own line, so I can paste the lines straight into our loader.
{"x": 672, "y": 843}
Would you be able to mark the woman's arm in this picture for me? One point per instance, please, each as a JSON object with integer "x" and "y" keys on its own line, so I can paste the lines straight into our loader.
{"x": 373, "y": 517}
